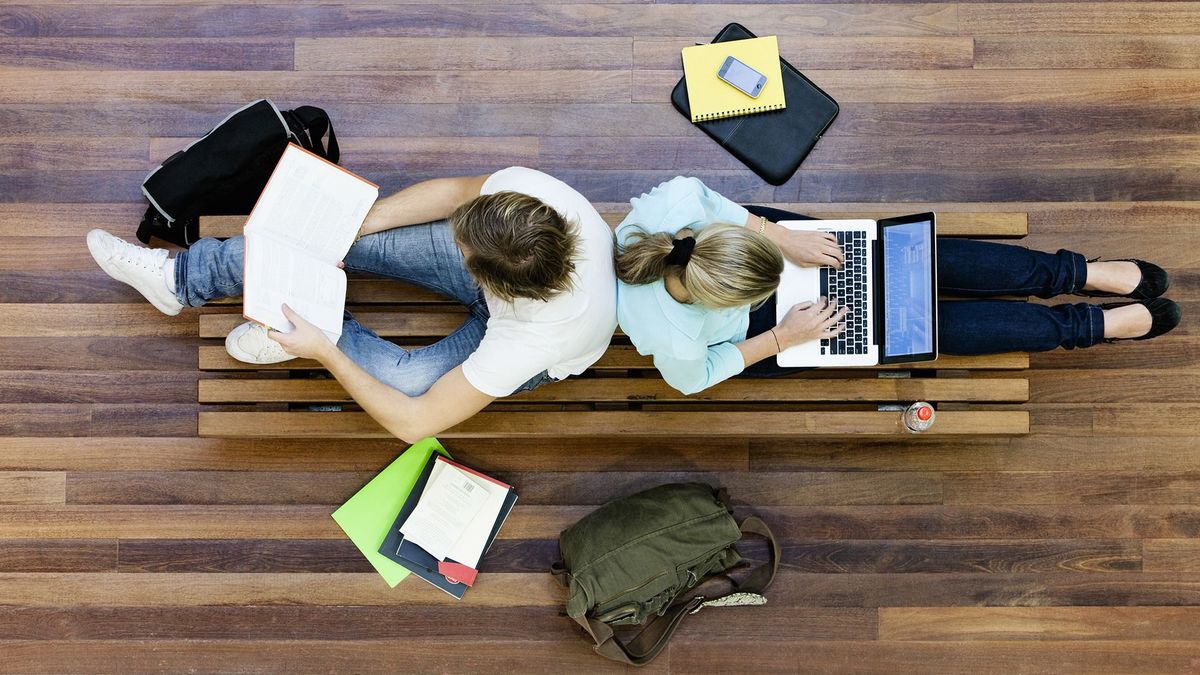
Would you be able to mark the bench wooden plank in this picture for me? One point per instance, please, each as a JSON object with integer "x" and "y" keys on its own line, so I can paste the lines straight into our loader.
{"x": 374, "y": 290}
{"x": 397, "y": 323}
{"x": 623, "y": 357}
{"x": 950, "y": 223}
{"x": 741, "y": 424}
{"x": 653, "y": 389}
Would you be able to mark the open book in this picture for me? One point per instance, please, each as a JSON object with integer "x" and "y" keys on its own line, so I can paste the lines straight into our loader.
{"x": 300, "y": 229}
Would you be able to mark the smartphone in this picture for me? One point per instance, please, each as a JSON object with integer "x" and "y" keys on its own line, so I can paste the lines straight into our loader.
{"x": 746, "y": 79}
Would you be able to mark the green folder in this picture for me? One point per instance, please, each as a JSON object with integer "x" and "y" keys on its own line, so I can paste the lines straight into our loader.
{"x": 368, "y": 515}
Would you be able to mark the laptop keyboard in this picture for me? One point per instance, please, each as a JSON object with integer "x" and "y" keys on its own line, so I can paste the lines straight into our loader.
{"x": 849, "y": 286}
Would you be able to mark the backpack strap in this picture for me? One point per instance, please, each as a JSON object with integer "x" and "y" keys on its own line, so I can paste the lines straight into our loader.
{"x": 647, "y": 644}
{"x": 316, "y": 122}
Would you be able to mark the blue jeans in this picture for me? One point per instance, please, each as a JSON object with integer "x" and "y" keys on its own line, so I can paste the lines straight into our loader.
{"x": 422, "y": 255}
{"x": 978, "y": 269}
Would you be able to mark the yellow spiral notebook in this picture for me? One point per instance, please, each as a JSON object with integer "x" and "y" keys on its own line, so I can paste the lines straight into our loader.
{"x": 710, "y": 98}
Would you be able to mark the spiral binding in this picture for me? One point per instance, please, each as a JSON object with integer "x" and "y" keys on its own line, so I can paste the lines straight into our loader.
{"x": 734, "y": 113}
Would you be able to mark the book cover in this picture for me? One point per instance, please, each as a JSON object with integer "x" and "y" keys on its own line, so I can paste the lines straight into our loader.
{"x": 416, "y": 559}
{"x": 366, "y": 516}
{"x": 710, "y": 98}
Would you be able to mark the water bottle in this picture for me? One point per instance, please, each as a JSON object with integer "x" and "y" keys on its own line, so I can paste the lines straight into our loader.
{"x": 918, "y": 417}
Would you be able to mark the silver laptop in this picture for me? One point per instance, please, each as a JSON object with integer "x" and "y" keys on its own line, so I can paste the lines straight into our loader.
{"x": 889, "y": 282}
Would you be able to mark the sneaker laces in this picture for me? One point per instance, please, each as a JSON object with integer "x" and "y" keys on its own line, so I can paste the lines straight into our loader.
{"x": 151, "y": 259}
{"x": 265, "y": 347}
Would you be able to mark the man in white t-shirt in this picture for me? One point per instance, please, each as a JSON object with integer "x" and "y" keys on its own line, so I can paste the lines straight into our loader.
{"x": 527, "y": 255}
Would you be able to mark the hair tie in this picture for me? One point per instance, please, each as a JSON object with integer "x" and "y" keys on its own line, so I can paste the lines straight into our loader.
{"x": 681, "y": 251}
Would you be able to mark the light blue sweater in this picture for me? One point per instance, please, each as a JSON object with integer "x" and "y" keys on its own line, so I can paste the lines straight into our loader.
{"x": 693, "y": 347}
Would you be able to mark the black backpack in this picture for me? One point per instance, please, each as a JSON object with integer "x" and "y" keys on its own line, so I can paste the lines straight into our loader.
{"x": 223, "y": 173}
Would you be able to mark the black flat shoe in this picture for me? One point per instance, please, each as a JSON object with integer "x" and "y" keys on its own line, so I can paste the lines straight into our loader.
{"x": 1154, "y": 282}
{"x": 1164, "y": 317}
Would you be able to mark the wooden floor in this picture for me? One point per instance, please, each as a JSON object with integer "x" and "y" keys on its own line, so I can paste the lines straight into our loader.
{"x": 127, "y": 544}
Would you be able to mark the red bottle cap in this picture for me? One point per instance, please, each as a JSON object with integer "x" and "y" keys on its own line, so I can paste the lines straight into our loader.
{"x": 924, "y": 412}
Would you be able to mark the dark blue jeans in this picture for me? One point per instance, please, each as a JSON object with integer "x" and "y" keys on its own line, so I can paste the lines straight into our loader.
{"x": 969, "y": 268}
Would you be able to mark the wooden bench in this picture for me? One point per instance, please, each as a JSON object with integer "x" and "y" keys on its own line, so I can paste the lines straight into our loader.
{"x": 620, "y": 394}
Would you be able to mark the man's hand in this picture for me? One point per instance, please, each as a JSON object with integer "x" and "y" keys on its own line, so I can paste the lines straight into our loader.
{"x": 305, "y": 341}
{"x": 808, "y": 249}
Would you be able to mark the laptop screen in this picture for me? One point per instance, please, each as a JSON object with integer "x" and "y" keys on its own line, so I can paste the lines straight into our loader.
{"x": 908, "y": 303}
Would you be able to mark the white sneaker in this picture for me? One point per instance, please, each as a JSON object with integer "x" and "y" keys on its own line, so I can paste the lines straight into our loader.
{"x": 249, "y": 343}
{"x": 135, "y": 265}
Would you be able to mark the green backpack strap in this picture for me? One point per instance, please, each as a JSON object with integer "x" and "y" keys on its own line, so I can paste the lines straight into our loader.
{"x": 647, "y": 644}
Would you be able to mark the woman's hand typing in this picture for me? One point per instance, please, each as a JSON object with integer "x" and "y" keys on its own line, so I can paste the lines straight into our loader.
{"x": 810, "y": 321}
{"x": 807, "y": 249}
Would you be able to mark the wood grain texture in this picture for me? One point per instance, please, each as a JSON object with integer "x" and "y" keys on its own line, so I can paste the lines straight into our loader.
{"x": 1152, "y": 86}
{"x": 424, "y": 20}
{"x": 822, "y": 52}
{"x": 459, "y": 53}
{"x": 1038, "y": 623}
{"x": 618, "y": 357}
{"x": 599, "y": 424}
{"x": 235, "y": 88}
{"x": 131, "y": 453}
{"x": 58, "y": 555}
{"x": 1171, "y": 555}
{"x": 553, "y": 488}
{"x": 149, "y": 53}
{"x": 646, "y": 389}
{"x": 27, "y": 487}
{"x": 965, "y": 557}
{"x": 1168, "y": 18}
{"x": 130, "y": 544}
{"x": 1091, "y": 51}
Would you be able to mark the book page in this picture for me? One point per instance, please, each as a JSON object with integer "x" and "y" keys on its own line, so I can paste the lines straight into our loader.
{"x": 469, "y": 547}
{"x": 316, "y": 290}
{"x": 451, "y": 500}
{"x": 313, "y": 203}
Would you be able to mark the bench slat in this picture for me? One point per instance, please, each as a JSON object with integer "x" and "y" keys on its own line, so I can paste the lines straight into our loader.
{"x": 622, "y": 357}
{"x": 373, "y": 290}
{"x": 950, "y": 223}
{"x": 399, "y": 323}
{"x": 610, "y": 423}
{"x": 652, "y": 389}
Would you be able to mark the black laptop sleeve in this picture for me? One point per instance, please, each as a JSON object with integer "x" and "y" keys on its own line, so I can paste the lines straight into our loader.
{"x": 773, "y": 143}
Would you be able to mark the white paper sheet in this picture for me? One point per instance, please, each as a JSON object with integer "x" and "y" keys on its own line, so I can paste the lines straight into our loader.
{"x": 451, "y": 500}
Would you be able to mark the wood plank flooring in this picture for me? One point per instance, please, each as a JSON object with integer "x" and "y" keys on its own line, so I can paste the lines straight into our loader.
{"x": 128, "y": 544}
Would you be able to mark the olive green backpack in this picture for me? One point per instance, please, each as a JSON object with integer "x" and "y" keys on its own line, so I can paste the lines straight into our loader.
{"x": 635, "y": 559}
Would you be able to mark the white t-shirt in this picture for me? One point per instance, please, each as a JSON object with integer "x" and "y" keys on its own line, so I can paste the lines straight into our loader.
{"x": 563, "y": 335}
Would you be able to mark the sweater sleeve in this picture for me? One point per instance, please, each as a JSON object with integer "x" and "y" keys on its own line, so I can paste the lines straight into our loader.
{"x": 717, "y": 209}
{"x": 689, "y": 376}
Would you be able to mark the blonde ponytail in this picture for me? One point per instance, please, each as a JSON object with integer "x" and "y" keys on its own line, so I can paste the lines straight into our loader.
{"x": 644, "y": 259}
{"x": 729, "y": 267}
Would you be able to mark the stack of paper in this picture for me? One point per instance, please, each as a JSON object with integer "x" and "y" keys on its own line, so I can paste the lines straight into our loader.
{"x": 450, "y": 519}
{"x": 455, "y": 513}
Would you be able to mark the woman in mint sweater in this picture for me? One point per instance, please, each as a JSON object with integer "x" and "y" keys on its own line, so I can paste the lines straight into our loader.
{"x": 695, "y": 324}
{"x": 697, "y": 276}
